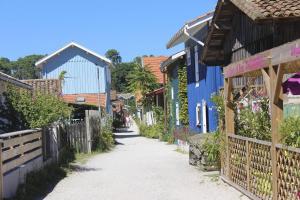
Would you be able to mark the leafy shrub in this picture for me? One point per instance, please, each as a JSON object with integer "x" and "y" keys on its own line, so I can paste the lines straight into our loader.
{"x": 290, "y": 131}
{"x": 254, "y": 124}
{"x": 211, "y": 148}
{"x": 38, "y": 111}
{"x": 104, "y": 141}
{"x": 220, "y": 107}
{"x": 154, "y": 131}
{"x": 168, "y": 137}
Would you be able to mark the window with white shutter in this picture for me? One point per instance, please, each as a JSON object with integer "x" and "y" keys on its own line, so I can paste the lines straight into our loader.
{"x": 198, "y": 114}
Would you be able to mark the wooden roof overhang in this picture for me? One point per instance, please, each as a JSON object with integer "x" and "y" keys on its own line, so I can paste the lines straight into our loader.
{"x": 213, "y": 53}
{"x": 286, "y": 56}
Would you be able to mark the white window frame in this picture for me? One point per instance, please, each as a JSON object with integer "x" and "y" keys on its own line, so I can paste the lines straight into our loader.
{"x": 198, "y": 114}
{"x": 177, "y": 113}
{"x": 172, "y": 93}
{"x": 204, "y": 116}
{"x": 196, "y": 66}
{"x": 188, "y": 57}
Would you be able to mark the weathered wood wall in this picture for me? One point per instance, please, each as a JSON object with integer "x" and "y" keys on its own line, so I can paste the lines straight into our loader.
{"x": 46, "y": 86}
{"x": 247, "y": 38}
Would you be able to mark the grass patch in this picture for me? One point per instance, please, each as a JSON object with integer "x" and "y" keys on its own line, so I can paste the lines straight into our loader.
{"x": 82, "y": 158}
{"x": 181, "y": 151}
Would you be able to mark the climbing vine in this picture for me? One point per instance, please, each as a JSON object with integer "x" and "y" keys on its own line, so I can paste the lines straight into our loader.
{"x": 182, "y": 77}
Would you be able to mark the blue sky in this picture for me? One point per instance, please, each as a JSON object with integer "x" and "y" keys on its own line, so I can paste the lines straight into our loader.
{"x": 133, "y": 27}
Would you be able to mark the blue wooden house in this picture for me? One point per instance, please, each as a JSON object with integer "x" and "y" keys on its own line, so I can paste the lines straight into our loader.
{"x": 87, "y": 78}
{"x": 203, "y": 81}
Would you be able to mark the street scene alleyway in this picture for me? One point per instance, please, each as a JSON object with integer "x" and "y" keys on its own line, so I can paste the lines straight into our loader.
{"x": 142, "y": 169}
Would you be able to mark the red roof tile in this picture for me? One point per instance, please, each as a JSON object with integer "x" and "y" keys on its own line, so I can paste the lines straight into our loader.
{"x": 264, "y": 9}
{"x": 153, "y": 64}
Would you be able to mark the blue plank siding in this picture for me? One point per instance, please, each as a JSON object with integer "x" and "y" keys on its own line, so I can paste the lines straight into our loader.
{"x": 81, "y": 68}
{"x": 210, "y": 82}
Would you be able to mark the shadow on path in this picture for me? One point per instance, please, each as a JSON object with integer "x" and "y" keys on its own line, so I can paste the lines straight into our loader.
{"x": 119, "y": 136}
{"x": 79, "y": 168}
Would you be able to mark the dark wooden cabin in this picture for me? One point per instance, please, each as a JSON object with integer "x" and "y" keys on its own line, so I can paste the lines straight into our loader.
{"x": 242, "y": 28}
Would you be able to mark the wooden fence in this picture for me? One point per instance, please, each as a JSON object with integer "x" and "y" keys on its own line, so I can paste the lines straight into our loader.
{"x": 81, "y": 135}
{"x": 248, "y": 167}
{"x": 46, "y": 86}
{"x": 26, "y": 151}
{"x": 77, "y": 136}
{"x": 17, "y": 149}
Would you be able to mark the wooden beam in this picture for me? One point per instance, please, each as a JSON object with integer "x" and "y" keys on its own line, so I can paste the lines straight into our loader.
{"x": 266, "y": 78}
{"x": 276, "y": 118}
{"x": 287, "y": 55}
{"x": 229, "y": 119}
{"x": 278, "y": 84}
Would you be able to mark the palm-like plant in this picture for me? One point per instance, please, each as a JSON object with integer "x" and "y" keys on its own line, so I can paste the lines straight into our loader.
{"x": 141, "y": 80}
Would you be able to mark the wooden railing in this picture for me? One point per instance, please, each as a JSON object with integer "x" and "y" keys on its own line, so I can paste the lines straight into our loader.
{"x": 17, "y": 149}
{"x": 248, "y": 167}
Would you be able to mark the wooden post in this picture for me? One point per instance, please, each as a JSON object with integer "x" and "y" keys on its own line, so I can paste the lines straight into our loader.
{"x": 88, "y": 132}
{"x": 1, "y": 172}
{"x": 229, "y": 118}
{"x": 248, "y": 165}
{"x": 276, "y": 76}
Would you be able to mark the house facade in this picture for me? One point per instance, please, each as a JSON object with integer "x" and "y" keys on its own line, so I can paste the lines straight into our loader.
{"x": 145, "y": 112}
{"x": 257, "y": 39}
{"x": 173, "y": 105}
{"x": 85, "y": 75}
{"x": 203, "y": 80}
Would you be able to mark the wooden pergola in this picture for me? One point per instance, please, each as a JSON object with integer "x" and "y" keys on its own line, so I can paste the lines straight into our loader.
{"x": 272, "y": 65}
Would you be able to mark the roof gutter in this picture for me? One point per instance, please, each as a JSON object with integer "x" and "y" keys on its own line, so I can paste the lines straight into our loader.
{"x": 185, "y": 31}
{"x": 187, "y": 27}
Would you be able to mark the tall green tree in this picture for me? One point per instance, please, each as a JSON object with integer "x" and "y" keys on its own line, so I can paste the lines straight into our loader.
{"x": 114, "y": 56}
{"x": 141, "y": 80}
{"x": 120, "y": 76}
{"x": 24, "y": 68}
{"x": 5, "y": 65}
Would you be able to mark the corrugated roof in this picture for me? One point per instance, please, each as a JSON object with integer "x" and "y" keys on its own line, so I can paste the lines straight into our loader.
{"x": 153, "y": 64}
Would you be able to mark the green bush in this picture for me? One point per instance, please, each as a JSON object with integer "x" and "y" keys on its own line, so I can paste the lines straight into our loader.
{"x": 254, "y": 124}
{"x": 38, "y": 111}
{"x": 153, "y": 131}
{"x": 211, "y": 149}
{"x": 290, "y": 131}
{"x": 104, "y": 141}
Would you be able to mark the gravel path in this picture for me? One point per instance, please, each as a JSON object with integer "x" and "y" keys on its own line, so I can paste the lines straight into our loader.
{"x": 141, "y": 169}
